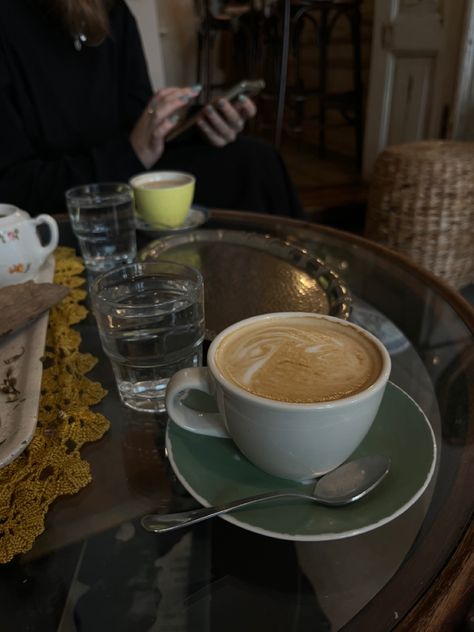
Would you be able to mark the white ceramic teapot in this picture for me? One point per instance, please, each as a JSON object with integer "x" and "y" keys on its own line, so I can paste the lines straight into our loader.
{"x": 21, "y": 251}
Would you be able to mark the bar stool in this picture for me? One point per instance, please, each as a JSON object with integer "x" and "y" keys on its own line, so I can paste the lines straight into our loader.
{"x": 215, "y": 17}
{"x": 322, "y": 15}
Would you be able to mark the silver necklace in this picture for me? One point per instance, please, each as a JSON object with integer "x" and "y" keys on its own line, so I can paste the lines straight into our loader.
{"x": 79, "y": 40}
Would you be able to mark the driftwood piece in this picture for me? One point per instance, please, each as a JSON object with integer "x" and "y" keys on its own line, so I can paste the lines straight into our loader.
{"x": 21, "y": 304}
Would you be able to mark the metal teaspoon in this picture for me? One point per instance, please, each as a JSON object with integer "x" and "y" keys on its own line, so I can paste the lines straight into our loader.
{"x": 341, "y": 486}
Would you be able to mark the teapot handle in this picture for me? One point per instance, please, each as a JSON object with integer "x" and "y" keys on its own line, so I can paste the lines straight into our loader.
{"x": 53, "y": 233}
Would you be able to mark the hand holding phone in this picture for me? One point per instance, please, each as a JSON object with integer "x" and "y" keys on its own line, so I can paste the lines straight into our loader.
{"x": 246, "y": 87}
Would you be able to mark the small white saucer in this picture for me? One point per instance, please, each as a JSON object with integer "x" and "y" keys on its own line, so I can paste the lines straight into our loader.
{"x": 197, "y": 216}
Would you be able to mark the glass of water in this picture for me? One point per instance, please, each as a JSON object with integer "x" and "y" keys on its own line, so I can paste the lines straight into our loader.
{"x": 151, "y": 323}
{"x": 102, "y": 219}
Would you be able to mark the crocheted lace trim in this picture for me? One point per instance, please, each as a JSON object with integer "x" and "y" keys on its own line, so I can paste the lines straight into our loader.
{"x": 51, "y": 466}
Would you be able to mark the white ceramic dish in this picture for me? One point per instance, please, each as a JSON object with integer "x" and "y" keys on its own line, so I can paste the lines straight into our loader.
{"x": 21, "y": 354}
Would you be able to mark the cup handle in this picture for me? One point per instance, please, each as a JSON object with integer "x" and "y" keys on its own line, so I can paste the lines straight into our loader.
{"x": 53, "y": 236}
{"x": 200, "y": 422}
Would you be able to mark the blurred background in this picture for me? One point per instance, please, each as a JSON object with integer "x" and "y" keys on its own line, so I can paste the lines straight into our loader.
{"x": 383, "y": 71}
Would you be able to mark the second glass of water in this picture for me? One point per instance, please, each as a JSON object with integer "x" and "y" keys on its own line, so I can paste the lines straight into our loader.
{"x": 151, "y": 323}
{"x": 103, "y": 221}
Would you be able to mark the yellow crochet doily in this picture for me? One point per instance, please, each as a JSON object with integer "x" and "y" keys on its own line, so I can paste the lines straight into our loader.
{"x": 51, "y": 465}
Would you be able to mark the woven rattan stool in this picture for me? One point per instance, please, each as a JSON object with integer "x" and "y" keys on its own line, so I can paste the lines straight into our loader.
{"x": 421, "y": 203}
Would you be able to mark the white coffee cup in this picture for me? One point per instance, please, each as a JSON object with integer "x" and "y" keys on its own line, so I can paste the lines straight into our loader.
{"x": 289, "y": 439}
{"x": 21, "y": 251}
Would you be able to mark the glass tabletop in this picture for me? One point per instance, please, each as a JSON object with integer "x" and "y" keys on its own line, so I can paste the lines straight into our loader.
{"x": 95, "y": 568}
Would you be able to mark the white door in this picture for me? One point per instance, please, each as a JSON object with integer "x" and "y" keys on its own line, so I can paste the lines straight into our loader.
{"x": 413, "y": 73}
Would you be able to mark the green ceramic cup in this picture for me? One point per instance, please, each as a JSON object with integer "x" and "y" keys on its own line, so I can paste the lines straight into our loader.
{"x": 163, "y": 198}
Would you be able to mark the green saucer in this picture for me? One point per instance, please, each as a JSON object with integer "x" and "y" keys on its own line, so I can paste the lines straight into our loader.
{"x": 214, "y": 471}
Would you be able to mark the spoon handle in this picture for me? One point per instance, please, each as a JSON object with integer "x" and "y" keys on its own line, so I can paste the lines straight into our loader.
{"x": 160, "y": 523}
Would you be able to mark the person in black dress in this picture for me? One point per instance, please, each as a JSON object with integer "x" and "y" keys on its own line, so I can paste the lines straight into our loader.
{"x": 76, "y": 106}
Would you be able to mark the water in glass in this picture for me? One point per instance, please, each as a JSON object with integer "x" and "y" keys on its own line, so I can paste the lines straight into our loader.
{"x": 103, "y": 222}
{"x": 150, "y": 328}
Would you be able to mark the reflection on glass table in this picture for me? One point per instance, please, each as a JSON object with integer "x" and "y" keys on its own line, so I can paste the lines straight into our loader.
{"x": 95, "y": 568}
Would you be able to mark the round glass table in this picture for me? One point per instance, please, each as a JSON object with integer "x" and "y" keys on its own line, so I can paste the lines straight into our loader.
{"x": 96, "y": 568}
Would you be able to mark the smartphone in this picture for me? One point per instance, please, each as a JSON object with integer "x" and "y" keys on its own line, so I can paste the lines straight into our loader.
{"x": 246, "y": 87}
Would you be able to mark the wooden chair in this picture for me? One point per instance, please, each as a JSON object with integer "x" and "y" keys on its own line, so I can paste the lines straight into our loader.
{"x": 240, "y": 20}
{"x": 322, "y": 16}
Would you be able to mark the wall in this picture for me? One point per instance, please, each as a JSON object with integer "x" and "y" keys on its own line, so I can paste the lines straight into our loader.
{"x": 178, "y": 40}
{"x": 146, "y": 14}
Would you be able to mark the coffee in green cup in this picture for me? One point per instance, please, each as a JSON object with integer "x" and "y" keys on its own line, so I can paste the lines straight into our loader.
{"x": 163, "y": 198}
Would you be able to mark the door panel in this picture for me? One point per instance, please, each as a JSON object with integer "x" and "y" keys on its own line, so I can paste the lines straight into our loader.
{"x": 415, "y": 50}
{"x": 410, "y": 110}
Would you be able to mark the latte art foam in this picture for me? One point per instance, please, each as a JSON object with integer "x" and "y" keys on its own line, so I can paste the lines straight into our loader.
{"x": 299, "y": 360}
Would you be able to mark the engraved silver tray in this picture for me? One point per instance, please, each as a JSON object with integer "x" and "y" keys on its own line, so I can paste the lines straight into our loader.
{"x": 246, "y": 274}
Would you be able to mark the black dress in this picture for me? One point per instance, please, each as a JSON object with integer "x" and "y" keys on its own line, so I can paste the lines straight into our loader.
{"x": 66, "y": 115}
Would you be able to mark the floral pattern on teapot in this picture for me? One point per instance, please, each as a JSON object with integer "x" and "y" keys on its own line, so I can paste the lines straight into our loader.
{"x": 10, "y": 235}
{"x": 19, "y": 267}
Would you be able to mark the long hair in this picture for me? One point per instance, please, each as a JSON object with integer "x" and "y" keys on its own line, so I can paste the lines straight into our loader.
{"x": 90, "y": 17}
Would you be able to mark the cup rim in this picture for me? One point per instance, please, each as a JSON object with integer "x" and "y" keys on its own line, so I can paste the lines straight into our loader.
{"x": 98, "y": 300}
{"x": 379, "y": 383}
{"x": 152, "y": 176}
{"x": 10, "y": 209}
{"x": 17, "y": 216}
{"x": 79, "y": 192}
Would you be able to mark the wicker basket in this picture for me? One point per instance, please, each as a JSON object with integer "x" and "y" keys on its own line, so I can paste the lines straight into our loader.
{"x": 421, "y": 203}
